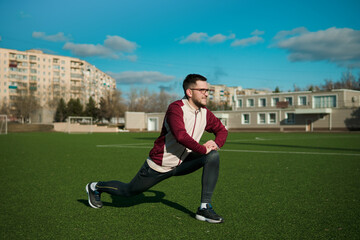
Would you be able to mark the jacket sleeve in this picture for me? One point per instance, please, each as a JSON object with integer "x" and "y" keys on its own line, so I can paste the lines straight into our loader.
{"x": 175, "y": 120}
{"x": 215, "y": 126}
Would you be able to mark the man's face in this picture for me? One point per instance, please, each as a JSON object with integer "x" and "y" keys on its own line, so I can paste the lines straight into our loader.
{"x": 199, "y": 94}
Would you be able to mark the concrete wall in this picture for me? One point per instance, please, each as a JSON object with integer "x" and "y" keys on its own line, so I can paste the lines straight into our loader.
{"x": 135, "y": 121}
{"x": 338, "y": 119}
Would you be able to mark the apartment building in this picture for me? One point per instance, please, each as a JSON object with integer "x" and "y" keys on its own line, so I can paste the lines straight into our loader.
{"x": 289, "y": 111}
{"x": 49, "y": 77}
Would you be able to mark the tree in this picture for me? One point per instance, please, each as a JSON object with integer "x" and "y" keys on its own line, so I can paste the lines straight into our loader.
{"x": 141, "y": 100}
{"x": 74, "y": 107}
{"x": 103, "y": 111}
{"x": 328, "y": 86}
{"x": 112, "y": 105}
{"x": 25, "y": 104}
{"x": 277, "y": 90}
{"x": 218, "y": 106}
{"x": 296, "y": 88}
{"x": 4, "y": 109}
{"x": 91, "y": 110}
{"x": 353, "y": 123}
{"x": 61, "y": 111}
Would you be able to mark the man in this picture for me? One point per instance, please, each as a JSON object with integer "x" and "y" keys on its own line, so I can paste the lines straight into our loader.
{"x": 177, "y": 151}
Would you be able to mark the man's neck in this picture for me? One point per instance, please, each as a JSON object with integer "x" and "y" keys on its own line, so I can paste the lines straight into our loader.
{"x": 192, "y": 104}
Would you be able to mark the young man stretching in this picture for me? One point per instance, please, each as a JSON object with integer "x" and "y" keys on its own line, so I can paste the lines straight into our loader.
{"x": 177, "y": 151}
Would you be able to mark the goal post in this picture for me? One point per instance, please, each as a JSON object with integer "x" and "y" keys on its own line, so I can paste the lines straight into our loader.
{"x": 3, "y": 124}
{"x": 78, "y": 124}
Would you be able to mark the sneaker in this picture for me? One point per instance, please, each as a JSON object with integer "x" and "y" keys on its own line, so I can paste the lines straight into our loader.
{"x": 94, "y": 197}
{"x": 208, "y": 215}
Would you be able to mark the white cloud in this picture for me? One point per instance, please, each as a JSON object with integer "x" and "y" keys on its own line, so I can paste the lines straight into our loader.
{"x": 132, "y": 58}
{"x": 219, "y": 38}
{"x": 338, "y": 45}
{"x": 114, "y": 47}
{"x": 144, "y": 77}
{"x": 247, "y": 41}
{"x": 295, "y": 31}
{"x": 197, "y": 37}
{"x": 59, "y": 37}
{"x": 258, "y": 32}
{"x": 89, "y": 50}
{"x": 118, "y": 43}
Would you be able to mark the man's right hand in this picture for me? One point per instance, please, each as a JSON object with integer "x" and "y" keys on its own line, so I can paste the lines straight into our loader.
{"x": 208, "y": 149}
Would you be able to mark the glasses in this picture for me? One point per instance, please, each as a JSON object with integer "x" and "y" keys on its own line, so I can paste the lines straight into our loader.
{"x": 202, "y": 90}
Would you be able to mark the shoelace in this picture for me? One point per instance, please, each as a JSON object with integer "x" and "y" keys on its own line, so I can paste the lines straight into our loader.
{"x": 97, "y": 195}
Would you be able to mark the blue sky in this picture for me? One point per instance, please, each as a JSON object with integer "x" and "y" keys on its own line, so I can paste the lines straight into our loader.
{"x": 155, "y": 44}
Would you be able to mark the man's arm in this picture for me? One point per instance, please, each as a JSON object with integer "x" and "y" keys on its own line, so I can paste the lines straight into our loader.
{"x": 215, "y": 126}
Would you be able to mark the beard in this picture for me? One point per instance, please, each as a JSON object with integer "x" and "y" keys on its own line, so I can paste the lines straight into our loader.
{"x": 199, "y": 104}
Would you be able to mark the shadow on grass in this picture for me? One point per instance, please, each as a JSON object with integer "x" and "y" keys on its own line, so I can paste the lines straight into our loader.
{"x": 158, "y": 197}
{"x": 292, "y": 146}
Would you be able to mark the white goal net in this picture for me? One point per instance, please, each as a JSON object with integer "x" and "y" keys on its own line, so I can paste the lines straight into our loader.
{"x": 77, "y": 124}
{"x": 3, "y": 124}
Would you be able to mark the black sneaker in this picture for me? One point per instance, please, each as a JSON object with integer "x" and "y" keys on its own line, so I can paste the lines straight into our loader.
{"x": 94, "y": 197}
{"x": 208, "y": 215}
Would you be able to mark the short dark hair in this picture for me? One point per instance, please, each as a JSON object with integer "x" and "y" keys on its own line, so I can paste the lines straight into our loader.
{"x": 191, "y": 80}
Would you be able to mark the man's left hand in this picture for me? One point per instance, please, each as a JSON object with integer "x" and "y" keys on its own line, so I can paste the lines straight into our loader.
{"x": 211, "y": 144}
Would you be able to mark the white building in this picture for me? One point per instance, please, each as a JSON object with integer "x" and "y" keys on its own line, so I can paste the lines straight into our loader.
{"x": 49, "y": 77}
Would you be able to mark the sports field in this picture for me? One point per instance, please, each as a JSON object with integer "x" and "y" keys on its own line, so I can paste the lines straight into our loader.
{"x": 271, "y": 186}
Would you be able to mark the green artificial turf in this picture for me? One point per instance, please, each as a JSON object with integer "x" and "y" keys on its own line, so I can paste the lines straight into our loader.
{"x": 271, "y": 186}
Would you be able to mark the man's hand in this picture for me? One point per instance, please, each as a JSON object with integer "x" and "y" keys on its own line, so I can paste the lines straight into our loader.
{"x": 210, "y": 145}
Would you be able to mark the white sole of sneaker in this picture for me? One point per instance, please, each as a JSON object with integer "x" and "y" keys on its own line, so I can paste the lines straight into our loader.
{"x": 202, "y": 218}
{"x": 87, "y": 191}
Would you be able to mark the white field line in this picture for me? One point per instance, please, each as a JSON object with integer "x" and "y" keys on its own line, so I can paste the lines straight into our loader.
{"x": 232, "y": 150}
{"x": 286, "y": 152}
{"x": 131, "y": 145}
{"x": 289, "y": 138}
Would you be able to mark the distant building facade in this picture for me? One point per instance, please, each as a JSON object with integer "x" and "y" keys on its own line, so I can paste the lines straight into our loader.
{"x": 289, "y": 111}
{"x": 49, "y": 77}
{"x": 306, "y": 110}
{"x": 224, "y": 95}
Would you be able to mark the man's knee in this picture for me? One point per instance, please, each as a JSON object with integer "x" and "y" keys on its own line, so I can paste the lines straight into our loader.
{"x": 213, "y": 156}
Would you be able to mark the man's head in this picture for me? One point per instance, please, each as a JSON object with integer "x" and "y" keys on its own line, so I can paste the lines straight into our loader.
{"x": 196, "y": 90}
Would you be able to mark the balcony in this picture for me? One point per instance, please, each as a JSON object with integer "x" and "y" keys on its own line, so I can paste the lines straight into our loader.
{"x": 76, "y": 65}
{"x": 33, "y": 88}
{"x": 76, "y": 77}
{"x": 75, "y": 89}
{"x": 13, "y": 64}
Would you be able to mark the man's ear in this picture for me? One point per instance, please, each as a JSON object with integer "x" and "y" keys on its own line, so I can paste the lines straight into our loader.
{"x": 189, "y": 93}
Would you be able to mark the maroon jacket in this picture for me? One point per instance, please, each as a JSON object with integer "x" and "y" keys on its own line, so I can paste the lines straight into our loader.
{"x": 181, "y": 132}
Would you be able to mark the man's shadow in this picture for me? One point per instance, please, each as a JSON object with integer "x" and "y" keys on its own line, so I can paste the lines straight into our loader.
{"x": 158, "y": 197}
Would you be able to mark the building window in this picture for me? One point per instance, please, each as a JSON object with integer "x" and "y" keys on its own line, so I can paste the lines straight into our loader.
{"x": 262, "y": 102}
{"x": 261, "y": 118}
{"x": 250, "y": 102}
{"x": 302, "y": 101}
{"x": 245, "y": 118}
{"x": 325, "y": 101}
{"x": 274, "y": 101}
{"x": 240, "y": 103}
{"x": 272, "y": 118}
{"x": 289, "y": 118}
{"x": 289, "y": 100}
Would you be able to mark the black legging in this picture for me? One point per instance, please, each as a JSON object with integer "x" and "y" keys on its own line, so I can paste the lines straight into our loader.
{"x": 147, "y": 177}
